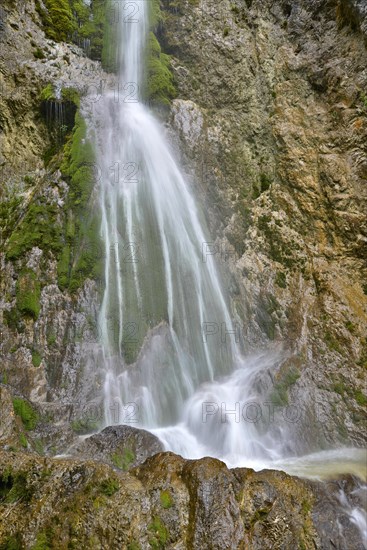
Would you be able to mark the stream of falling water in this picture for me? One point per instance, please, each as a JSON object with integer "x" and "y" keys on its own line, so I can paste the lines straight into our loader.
{"x": 170, "y": 350}
{"x": 167, "y": 332}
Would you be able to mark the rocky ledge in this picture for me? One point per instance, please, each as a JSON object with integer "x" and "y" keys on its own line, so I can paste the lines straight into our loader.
{"x": 168, "y": 502}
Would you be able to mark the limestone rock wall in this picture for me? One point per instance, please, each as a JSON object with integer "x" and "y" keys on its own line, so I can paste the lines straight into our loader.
{"x": 42, "y": 357}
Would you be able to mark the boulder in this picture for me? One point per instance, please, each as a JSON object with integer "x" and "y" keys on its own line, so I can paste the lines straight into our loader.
{"x": 123, "y": 447}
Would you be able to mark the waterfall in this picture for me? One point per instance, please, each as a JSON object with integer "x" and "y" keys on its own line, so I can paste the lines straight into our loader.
{"x": 171, "y": 358}
{"x": 166, "y": 328}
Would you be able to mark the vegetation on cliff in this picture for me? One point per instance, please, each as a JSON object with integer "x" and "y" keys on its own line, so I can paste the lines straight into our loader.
{"x": 76, "y": 21}
{"x": 160, "y": 88}
{"x": 81, "y": 256}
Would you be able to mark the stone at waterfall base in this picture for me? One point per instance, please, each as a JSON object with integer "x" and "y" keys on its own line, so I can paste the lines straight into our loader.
{"x": 167, "y": 502}
{"x": 123, "y": 447}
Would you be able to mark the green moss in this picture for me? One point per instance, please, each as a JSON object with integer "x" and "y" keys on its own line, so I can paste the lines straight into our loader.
{"x": 123, "y": 460}
{"x": 331, "y": 342}
{"x": 159, "y": 532}
{"x": 47, "y": 93}
{"x": 281, "y": 279}
{"x": 84, "y": 426}
{"x": 38, "y": 53}
{"x": 36, "y": 358}
{"x": 28, "y": 415}
{"x": 12, "y": 319}
{"x": 14, "y": 487}
{"x": 255, "y": 192}
{"x": 38, "y": 446}
{"x": 133, "y": 546}
{"x": 351, "y": 327}
{"x": 9, "y": 213}
{"x": 306, "y": 507}
{"x": 39, "y": 227}
{"x": 28, "y": 293}
{"x": 160, "y": 87}
{"x": 339, "y": 387}
{"x": 360, "y": 398}
{"x": 71, "y": 95}
{"x": 23, "y": 440}
{"x": 265, "y": 182}
{"x": 29, "y": 180}
{"x": 75, "y": 21}
{"x": 110, "y": 486}
{"x": 64, "y": 267}
{"x": 81, "y": 257}
{"x": 51, "y": 339}
{"x": 88, "y": 261}
{"x": 166, "y": 499}
{"x": 156, "y": 14}
{"x": 288, "y": 378}
{"x": 58, "y": 21}
{"x": 12, "y": 542}
{"x": 259, "y": 515}
{"x": 42, "y": 542}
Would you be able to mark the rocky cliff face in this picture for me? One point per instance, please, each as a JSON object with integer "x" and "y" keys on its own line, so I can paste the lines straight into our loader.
{"x": 47, "y": 330}
{"x": 271, "y": 120}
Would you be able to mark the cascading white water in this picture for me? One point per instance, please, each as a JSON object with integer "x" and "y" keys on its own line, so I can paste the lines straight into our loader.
{"x": 165, "y": 321}
{"x": 171, "y": 361}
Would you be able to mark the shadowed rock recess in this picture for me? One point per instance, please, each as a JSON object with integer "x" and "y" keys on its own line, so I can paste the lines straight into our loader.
{"x": 266, "y": 101}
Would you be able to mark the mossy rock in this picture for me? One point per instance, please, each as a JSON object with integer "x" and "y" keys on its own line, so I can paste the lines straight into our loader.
{"x": 28, "y": 293}
{"x": 39, "y": 227}
{"x": 76, "y": 21}
{"x": 81, "y": 256}
{"x": 123, "y": 460}
{"x": 27, "y": 414}
{"x": 48, "y": 93}
{"x": 158, "y": 533}
{"x": 160, "y": 87}
{"x": 14, "y": 487}
{"x": 58, "y": 20}
{"x": 36, "y": 358}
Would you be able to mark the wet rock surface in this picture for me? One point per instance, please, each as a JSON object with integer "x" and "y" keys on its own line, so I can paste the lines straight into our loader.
{"x": 167, "y": 502}
{"x": 121, "y": 446}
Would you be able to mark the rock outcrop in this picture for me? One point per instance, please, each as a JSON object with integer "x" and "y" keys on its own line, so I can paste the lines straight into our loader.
{"x": 46, "y": 340}
{"x": 167, "y": 502}
{"x": 121, "y": 446}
